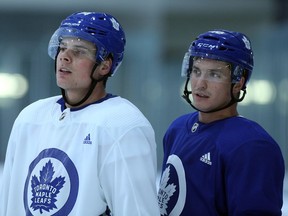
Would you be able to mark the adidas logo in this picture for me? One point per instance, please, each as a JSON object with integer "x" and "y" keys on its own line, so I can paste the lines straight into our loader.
{"x": 206, "y": 158}
{"x": 87, "y": 140}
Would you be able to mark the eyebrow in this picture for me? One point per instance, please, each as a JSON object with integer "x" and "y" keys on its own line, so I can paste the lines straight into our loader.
{"x": 213, "y": 69}
{"x": 76, "y": 45}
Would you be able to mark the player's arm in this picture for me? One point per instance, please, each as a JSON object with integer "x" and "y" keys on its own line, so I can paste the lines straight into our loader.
{"x": 128, "y": 175}
{"x": 255, "y": 180}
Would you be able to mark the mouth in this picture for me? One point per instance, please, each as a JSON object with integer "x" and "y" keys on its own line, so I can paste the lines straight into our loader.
{"x": 201, "y": 95}
{"x": 64, "y": 70}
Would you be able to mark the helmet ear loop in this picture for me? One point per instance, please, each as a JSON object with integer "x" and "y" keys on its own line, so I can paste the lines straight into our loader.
{"x": 55, "y": 69}
{"x": 55, "y": 62}
{"x": 240, "y": 98}
{"x": 238, "y": 72}
{"x": 186, "y": 92}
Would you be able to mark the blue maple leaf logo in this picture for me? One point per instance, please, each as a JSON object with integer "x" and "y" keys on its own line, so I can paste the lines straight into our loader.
{"x": 45, "y": 190}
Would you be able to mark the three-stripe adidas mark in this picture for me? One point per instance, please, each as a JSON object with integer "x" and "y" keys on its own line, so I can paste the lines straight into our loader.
{"x": 87, "y": 140}
{"x": 206, "y": 158}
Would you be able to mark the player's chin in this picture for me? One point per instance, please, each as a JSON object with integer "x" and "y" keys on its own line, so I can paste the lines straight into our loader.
{"x": 62, "y": 84}
{"x": 203, "y": 106}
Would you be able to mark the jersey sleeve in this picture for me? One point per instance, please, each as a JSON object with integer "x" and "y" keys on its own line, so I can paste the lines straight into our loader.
{"x": 255, "y": 175}
{"x": 128, "y": 174}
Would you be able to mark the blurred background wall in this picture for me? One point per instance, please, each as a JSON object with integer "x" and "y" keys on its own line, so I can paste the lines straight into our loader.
{"x": 158, "y": 34}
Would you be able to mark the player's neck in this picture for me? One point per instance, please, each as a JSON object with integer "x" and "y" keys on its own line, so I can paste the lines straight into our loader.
{"x": 97, "y": 94}
{"x": 218, "y": 115}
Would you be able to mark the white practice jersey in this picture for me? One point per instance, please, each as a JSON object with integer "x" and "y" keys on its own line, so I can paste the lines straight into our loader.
{"x": 76, "y": 162}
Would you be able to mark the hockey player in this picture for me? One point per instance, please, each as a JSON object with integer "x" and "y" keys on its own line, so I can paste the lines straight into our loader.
{"x": 87, "y": 152}
{"x": 217, "y": 162}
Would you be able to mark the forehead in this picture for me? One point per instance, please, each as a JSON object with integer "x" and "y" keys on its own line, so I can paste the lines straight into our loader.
{"x": 209, "y": 63}
{"x": 73, "y": 41}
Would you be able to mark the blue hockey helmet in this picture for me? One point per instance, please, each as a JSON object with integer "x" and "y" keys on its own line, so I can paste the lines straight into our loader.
{"x": 223, "y": 45}
{"x": 101, "y": 29}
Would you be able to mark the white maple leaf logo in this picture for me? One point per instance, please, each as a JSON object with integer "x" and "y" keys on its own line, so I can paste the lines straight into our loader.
{"x": 165, "y": 191}
{"x": 115, "y": 24}
{"x": 217, "y": 32}
{"x": 246, "y": 42}
{"x": 85, "y": 13}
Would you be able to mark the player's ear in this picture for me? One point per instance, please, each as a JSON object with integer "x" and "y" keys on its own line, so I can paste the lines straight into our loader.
{"x": 105, "y": 66}
{"x": 238, "y": 86}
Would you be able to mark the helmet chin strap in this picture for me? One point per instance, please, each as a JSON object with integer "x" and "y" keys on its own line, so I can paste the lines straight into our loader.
{"x": 233, "y": 100}
{"x": 88, "y": 94}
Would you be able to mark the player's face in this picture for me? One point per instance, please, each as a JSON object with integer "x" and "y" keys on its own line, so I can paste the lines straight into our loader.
{"x": 74, "y": 64}
{"x": 210, "y": 84}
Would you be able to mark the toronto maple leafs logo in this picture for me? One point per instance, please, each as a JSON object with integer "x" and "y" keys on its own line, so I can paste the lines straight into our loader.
{"x": 165, "y": 191}
{"x": 45, "y": 189}
{"x": 246, "y": 42}
{"x": 85, "y": 13}
{"x": 115, "y": 24}
{"x": 217, "y": 32}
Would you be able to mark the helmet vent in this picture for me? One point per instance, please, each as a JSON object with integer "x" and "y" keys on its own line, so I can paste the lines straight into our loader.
{"x": 102, "y": 33}
{"x": 222, "y": 48}
{"x": 211, "y": 38}
{"x": 227, "y": 47}
{"x": 95, "y": 31}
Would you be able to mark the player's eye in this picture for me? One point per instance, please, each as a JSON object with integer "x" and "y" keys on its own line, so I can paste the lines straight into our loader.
{"x": 62, "y": 48}
{"x": 216, "y": 75}
{"x": 195, "y": 72}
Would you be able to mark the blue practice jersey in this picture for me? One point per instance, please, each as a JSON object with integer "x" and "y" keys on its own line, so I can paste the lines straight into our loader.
{"x": 227, "y": 167}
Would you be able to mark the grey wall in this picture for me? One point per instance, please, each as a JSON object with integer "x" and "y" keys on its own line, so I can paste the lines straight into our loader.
{"x": 158, "y": 34}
